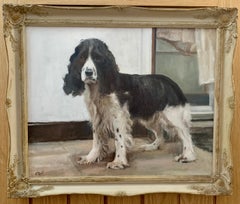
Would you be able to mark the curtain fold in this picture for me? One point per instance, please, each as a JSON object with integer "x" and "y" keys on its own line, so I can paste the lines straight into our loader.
{"x": 191, "y": 41}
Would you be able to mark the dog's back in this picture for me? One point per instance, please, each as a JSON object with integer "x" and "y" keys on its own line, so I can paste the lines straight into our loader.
{"x": 146, "y": 94}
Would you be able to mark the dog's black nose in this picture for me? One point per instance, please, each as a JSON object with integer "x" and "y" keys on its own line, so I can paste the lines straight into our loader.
{"x": 89, "y": 72}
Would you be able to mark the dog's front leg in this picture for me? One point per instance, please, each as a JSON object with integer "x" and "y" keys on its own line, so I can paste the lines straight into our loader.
{"x": 123, "y": 140}
{"x": 98, "y": 151}
{"x": 120, "y": 159}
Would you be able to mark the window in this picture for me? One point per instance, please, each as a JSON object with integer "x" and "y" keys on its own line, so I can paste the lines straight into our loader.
{"x": 188, "y": 57}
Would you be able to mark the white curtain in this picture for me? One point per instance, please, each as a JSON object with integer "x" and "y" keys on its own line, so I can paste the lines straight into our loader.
{"x": 202, "y": 41}
{"x": 205, "y": 40}
{"x": 182, "y": 35}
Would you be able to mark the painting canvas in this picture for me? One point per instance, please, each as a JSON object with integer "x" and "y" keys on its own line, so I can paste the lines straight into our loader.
{"x": 44, "y": 109}
{"x": 136, "y": 101}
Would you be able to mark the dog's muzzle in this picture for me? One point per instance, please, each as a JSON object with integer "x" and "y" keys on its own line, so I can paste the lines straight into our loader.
{"x": 89, "y": 75}
{"x": 89, "y": 72}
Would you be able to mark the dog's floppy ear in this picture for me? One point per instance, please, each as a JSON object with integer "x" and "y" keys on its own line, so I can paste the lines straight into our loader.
{"x": 108, "y": 76}
{"x": 110, "y": 57}
{"x": 106, "y": 85}
{"x": 74, "y": 55}
{"x": 73, "y": 83}
{"x": 108, "y": 71}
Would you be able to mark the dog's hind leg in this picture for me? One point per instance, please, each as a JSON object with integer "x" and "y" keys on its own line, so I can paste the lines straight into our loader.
{"x": 157, "y": 143}
{"x": 154, "y": 125}
{"x": 179, "y": 118}
{"x": 188, "y": 154}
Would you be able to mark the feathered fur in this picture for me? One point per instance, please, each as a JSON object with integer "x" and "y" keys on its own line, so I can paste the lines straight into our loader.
{"x": 116, "y": 100}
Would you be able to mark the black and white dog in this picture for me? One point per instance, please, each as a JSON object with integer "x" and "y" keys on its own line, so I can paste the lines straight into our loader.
{"x": 116, "y": 100}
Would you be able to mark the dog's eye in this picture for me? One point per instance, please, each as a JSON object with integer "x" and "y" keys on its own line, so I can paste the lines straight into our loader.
{"x": 97, "y": 58}
{"x": 82, "y": 57}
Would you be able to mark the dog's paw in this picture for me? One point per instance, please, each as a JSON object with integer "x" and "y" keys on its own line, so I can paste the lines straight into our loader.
{"x": 148, "y": 147}
{"x": 116, "y": 165}
{"x": 85, "y": 160}
{"x": 185, "y": 159}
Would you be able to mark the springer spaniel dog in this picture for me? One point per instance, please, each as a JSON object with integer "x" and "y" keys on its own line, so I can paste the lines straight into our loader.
{"x": 116, "y": 100}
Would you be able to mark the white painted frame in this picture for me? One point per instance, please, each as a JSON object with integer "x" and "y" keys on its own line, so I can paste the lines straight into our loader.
{"x": 18, "y": 17}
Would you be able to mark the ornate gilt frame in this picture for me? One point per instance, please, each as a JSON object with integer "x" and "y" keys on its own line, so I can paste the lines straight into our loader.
{"x": 18, "y": 17}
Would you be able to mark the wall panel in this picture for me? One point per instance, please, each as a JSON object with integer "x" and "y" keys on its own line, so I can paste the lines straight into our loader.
{"x": 196, "y": 199}
{"x": 86, "y": 199}
{"x": 157, "y": 198}
{"x": 175, "y": 3}
{"x": 60, "y": 199}
{"x": 123, "y": 200}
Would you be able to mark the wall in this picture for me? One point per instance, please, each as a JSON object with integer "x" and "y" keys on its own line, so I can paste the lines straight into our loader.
{"x": 143, "y": 199}
{"x": 48, "y": 51}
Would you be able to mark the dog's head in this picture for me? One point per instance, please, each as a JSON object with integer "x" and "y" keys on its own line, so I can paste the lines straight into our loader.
{"x": 92, "y": 63}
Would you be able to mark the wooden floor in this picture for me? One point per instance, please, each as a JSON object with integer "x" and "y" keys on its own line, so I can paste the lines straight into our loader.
{"x": 58, "y": 159}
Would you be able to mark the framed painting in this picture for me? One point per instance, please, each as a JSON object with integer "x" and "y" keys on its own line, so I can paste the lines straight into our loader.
{"x": 119, "y": 100}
